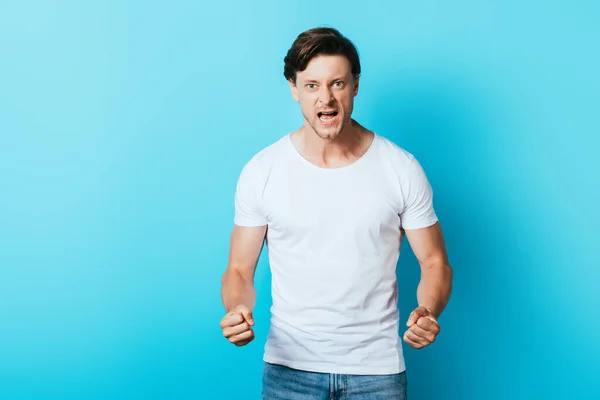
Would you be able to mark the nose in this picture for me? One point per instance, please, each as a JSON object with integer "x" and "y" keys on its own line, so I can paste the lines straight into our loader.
{"x": 325, "y": 95}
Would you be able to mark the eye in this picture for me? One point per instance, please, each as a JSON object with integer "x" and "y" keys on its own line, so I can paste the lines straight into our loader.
{"x": 311, "y": 86}
{"x": 338, "y": 84}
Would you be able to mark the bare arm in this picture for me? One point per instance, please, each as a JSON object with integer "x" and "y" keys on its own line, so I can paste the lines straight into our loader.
{"x": 435, "y": 285}
{"x": 237, "y": 283}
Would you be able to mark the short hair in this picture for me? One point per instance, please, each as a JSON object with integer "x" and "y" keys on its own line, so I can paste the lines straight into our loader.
{"x": 316, "y": 42}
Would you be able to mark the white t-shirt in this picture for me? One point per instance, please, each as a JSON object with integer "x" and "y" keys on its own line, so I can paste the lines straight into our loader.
{"x": 333, "y": 240}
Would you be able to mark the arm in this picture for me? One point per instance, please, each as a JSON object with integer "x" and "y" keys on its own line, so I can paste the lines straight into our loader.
{"x": 434, "y": 288}
{"x": 237, "y": 283}
{"x": 424, "y": 234}
{"x": 435, "y": 285}
{"x": 247, "y": 238}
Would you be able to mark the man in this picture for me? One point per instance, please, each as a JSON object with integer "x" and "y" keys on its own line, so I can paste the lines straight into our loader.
{"x": 333, "y": 201}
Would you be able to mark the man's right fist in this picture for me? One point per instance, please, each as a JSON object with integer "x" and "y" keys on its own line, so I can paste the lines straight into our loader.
{"x": 236, "y": 325}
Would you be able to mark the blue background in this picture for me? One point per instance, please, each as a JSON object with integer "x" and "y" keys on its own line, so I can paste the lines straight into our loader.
{"x": 124, "y": 126}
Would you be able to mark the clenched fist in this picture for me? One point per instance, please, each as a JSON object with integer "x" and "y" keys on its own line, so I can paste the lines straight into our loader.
{"x": 423, "y": 328}
{"x": 237, "y": 325}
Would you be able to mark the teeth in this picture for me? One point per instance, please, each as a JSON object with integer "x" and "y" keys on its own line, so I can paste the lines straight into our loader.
{"x": 328, "y": 115}
{"x": 327, "y": 118}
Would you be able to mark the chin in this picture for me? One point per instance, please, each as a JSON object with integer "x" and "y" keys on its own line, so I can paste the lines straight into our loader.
{"x": 327, "y": 134}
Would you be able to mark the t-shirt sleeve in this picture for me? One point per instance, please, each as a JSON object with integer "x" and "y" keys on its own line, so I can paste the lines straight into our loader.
{"x": 418, "y": 209}
{"x": 249, "y": 210}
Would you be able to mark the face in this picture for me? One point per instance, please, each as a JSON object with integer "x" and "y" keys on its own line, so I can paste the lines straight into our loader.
{"x": 326, "y": 91}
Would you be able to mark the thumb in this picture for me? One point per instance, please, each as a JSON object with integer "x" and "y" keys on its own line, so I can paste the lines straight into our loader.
{"x": 247, "y": 313}
{"x": 416, "y": 314}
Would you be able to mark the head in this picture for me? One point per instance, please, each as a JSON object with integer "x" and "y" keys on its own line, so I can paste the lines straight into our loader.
{"x": 323, "y": 69}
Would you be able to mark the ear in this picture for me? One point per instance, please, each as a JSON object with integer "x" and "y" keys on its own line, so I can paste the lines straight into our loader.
{"x": 294, "y": 90}
{"x": 356, "y": 81}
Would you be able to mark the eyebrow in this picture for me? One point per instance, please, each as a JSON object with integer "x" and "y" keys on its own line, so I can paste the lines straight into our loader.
{"x": 340, "y": 78}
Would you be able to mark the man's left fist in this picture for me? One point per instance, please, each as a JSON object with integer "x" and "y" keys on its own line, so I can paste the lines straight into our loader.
{"x": 423, "y": 328}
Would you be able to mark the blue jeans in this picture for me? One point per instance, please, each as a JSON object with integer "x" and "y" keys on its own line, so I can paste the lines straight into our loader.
{"x": 283, "y": 383}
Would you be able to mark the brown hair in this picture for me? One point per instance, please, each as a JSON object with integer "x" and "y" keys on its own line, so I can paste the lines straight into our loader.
{"x": 315, "y": 42}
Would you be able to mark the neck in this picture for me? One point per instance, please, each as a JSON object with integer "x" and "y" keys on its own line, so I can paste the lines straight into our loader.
{"x": 345, "y": 148}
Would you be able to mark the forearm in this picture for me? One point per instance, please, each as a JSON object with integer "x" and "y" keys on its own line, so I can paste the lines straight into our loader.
{"x": 236, "y": 290}
{"x": 435, "y": 287}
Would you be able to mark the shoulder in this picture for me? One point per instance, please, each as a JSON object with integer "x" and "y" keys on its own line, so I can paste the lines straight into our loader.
{"x": 402, "y": 168}
{"x": 398, "y": 158}
{"x": 271, "y": 152}
{"x": 264, "y": 160}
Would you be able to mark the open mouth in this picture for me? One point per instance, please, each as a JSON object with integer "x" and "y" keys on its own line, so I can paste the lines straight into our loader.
{"x": 327, "y": 117}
